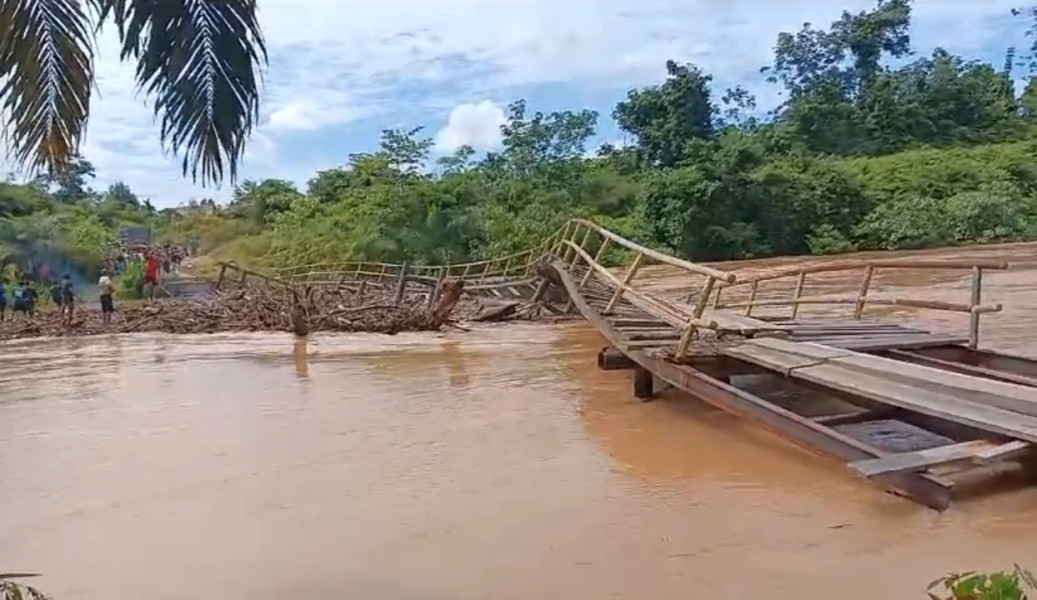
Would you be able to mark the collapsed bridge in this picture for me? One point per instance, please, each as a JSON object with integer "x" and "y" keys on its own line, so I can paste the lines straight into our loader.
{"x": 922, "y": 414}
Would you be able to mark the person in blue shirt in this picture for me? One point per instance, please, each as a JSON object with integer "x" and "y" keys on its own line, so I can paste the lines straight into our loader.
{"x": 3, "y": 302}
{"x": 24, "y": 299}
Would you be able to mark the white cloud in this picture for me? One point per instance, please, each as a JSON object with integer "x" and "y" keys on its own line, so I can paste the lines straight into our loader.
{"x": 475, "y": 125}
{"x": 334, "y": 71}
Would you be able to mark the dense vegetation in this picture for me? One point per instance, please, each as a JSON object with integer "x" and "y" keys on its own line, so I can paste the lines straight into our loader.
{"x": 872, "y": 148}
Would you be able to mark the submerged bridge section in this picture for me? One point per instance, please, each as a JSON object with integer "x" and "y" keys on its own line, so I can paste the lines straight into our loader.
{"x": 923, "y": 414}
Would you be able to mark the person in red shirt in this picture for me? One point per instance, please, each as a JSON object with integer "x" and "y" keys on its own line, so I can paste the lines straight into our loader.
{"x": 151, "y": 265}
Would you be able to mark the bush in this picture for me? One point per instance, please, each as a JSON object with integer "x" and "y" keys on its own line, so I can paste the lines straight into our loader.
{"x": 826, "y": 239}
{"x": 131, "y": 283}
{"x": 1004, "y": 585}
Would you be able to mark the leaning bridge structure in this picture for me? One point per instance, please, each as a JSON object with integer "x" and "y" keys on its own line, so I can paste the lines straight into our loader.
{"x": 922, "y": 414}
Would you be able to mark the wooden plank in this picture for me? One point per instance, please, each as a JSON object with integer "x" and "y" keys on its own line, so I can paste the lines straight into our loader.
{"x": 919, "y": 399}
{"x": 652, "y": 334}
{"x": 770, "y": 357}
{"x": 919, "y": 460}
{"x": 807, "y": 349}
{"x": 1008, "y": 451}
{"x": 824, "y": 365}
{"x": 793, "y": 355}
{"x": 729, "y": 321}
{"x": 620, "y": 323}
{"x": 1008, "y": 396}
{"x": 960, "y": 367}
{"x": 823, "y": 332}
{"x": 854, "y": 416}
{"x": 652, "y": 344}
{"x": 635, "y": 331}
{"x": 903, "y": 342}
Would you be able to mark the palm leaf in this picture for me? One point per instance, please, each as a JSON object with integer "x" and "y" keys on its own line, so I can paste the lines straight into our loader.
{"x": 198, "y": 59}
{"x": 46, "y": 76}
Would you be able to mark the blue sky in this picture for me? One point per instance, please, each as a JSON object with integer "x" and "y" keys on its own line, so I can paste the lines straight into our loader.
{"x": 341, "y": 72}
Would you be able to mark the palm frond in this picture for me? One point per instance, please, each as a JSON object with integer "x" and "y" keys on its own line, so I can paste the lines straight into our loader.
{"x": 199, "y": 60}
{"x": 46, "y": 77}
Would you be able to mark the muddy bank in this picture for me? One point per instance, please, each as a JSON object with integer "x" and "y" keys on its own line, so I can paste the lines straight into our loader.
{"x": 268, "y": 309}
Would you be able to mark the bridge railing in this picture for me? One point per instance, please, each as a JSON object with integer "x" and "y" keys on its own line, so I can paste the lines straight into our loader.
{"x": 572, "y": 245}
{"x": 231, "y": 273}
{"x": 868, "y": 268}
{"x": 514, "y": 266}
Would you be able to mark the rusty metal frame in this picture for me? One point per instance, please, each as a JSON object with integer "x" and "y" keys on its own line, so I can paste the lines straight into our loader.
{"x": 925, "y": 489}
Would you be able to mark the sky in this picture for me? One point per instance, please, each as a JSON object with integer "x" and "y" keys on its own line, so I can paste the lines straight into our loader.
{"x": 340, "y": 72}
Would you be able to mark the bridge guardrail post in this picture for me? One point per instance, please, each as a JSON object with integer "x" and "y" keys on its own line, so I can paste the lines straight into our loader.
{"x": 862, "y": 294}
{"x": 974, "y": 302}
{"x": 696, "y": 314}
{"x": 800, "y": 283}
{"x": 631, "y": 271}
{"x": 752, "y": 297}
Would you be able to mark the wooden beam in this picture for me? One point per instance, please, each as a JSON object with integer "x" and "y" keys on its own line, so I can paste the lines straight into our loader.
{"x": 1008, "y": 451}
{"x": 919, "y": 460}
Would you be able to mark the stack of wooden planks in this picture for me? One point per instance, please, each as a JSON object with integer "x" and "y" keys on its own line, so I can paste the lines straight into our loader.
{"x": 1003, "y": 409}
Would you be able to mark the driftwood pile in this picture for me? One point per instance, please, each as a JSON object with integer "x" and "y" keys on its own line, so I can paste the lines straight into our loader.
{"x": 266, "y": 308}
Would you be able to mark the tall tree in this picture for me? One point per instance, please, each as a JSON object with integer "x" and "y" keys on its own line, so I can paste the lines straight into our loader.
{"x": 666, "y": 117}
{"x": 196, "y": 59}
{"x": 68, "y": 183}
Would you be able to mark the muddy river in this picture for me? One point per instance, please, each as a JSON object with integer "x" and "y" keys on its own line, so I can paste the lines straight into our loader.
{"x": 498, "y": 463}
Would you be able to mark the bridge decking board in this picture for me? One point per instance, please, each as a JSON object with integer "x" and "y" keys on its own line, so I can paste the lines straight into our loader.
{"x": 920, "y": 460}
{"x": 915, "y": 389}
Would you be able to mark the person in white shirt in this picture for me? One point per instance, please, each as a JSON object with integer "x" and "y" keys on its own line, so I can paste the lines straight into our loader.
{"x": 104, "y": 285}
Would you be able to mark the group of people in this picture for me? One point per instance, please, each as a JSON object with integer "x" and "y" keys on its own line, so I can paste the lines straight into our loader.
{"x": 24, "y": 298}
{"x": 155, "y": 259}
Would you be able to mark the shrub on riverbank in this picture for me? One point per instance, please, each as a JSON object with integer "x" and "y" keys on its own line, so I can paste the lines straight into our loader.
{"x": 1003, "y": 585}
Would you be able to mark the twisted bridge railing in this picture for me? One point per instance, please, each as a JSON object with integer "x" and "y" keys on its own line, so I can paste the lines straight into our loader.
{"x": 580, "y": 246}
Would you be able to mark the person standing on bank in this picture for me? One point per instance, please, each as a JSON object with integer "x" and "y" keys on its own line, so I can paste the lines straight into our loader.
{"x": 106, "y": 288}
{"x": 68, "y": 298}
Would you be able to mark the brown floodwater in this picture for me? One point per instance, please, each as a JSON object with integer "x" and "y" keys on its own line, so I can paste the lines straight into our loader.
{"x": 498, "y": 463}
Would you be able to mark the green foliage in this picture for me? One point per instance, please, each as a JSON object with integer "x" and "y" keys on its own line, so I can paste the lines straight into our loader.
{"x": 197, "y": 61}
{"x": 131, "y": 282}
{"x": 1004, "y": 585}
{"x": 12, "y": 590}
{"x": 868, "y": 151}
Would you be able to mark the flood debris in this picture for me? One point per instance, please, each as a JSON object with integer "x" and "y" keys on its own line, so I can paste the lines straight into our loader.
{"x": 270, "y": 308}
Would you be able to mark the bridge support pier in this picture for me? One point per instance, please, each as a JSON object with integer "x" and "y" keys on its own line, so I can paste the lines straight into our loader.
{"x": 611, "y": 359}
{"x": 644, "y": 384}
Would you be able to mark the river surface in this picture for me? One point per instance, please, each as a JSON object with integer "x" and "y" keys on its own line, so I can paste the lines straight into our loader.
{"x": 498, "y": 463}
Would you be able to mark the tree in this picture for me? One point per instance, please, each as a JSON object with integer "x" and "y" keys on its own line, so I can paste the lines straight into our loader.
{"x": 121, "y": 193}
{"x": 68, "y": 183}
{"x": 544, "y": 138}
{"x": 1030, "y": 58}
{"x": 196, "y": 59}
{"x": 665, "y": 118}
